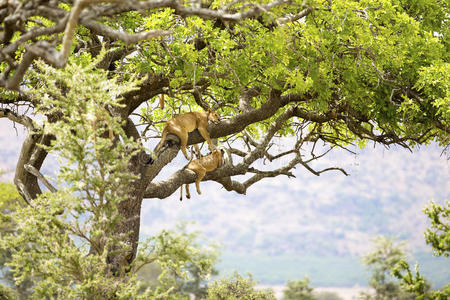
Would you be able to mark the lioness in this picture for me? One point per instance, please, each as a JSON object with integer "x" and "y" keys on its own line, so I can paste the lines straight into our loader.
{"x": 200, "y": 166}
{"x": 181, "y": 125}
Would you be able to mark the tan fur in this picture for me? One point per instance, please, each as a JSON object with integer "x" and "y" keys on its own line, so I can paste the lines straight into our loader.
{"x": 181, "y": 125}
{"x": 200, "y": 166}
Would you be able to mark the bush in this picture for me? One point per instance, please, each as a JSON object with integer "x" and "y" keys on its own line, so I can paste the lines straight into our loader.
{"x": 237, "y": 287}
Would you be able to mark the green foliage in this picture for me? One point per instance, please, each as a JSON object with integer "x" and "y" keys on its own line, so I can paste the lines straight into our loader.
{"x": 237, "y": 287}
{"x": 367, "y": 54}
{"x": 10, "y": 201}
{"x": 299, "y": 290}
{"x": 438, "y": 234}
{"x": 183, "y": 264}
{"x": 64, "y": 238}
{"x": 7, "y": 94}
{"x": 197, "y": 283}
{"x": 417, "y": 284}
{"x": 381, "y": 261}
{"x": 194, "y": 277}
{"x": 6, "y": 293}
{"x": 328, "y": 296}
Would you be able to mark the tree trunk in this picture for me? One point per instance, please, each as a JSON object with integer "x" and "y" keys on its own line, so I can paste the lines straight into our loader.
{"x": 128, "y": 227}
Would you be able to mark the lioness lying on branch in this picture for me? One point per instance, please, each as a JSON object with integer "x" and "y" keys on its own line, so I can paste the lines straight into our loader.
{"x": 181, "y": 125}
{"x": 200, "y": 166}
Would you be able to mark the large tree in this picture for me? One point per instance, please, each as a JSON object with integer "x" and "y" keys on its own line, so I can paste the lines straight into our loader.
{"x": 323, "y": 74}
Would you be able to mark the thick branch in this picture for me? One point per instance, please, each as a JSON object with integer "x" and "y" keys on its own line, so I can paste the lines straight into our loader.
{"x": 232, "y": 185}
{"x": 123, "y": 36}
{"x": 31, "y": 154}
{"x": 41, "y": 177}
{"x": 238, "y": 123}
{"x": 199, "y": 100}
{"x": 244, "y": 99}
{"x": 20, "y": 119}
{"x": 151, "y": 87}
{"x": 26, "y": 182}
{"x": 14, "y": 82}
{"x": 296, "y": 17}
{"x": 70, "y": 29}
{"x": 166, "y": 188}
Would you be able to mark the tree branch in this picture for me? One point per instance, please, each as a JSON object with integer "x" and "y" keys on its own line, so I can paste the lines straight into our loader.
{"x": 14, "y": 82}
{"x": 123, "y": 36}
{"x": 290, "y": 19}
{"x": 222, "y": 175}
{"x": 31, "y": 154}
{"x": 20, "y": 119}
{"x": 41, "y": 177}
{"x": 232, "y": 185}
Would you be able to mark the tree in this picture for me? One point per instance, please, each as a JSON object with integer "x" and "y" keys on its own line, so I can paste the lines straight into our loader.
{"x": 237, "y": 287}
{"x": 328, "y": 296}
{"x": 438, "y": 236}
{"x": 195, "y": 281}
{"x": 7, "y": 293}
{"x": 299, "y": 290}
{"x": 323, "y": 74}
{"x": 381, "y": 261}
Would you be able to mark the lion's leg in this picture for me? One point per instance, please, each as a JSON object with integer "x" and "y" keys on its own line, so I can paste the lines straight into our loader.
{"x": 161, "y": 141}
{"x": 188, "y": 194}
{"x": 205, "y": 135}
{"x": 183, "y": 135}
{"x": 184, "y": 139}
{"x": 200, "y": 174}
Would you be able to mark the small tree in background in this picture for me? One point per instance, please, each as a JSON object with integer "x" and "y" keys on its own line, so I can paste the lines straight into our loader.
{"x": 299, "y": 290}
{"x": 237, "y": 287}
{"x": 381, "y": 261}
{"x": 438, "y": 236}
{"x": 194, "y": 281}
{"x": 327, "y": 296}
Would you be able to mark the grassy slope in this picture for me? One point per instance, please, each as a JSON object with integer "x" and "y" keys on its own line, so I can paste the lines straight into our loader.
{"x": 322, "y": 271}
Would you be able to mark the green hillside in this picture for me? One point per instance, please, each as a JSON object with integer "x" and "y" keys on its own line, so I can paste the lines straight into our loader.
{"x": 323, "y": 270}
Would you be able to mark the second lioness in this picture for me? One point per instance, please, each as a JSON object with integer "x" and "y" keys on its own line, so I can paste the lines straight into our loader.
{"x": 181, "y": 125}
{"x": 200, "y": 166}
